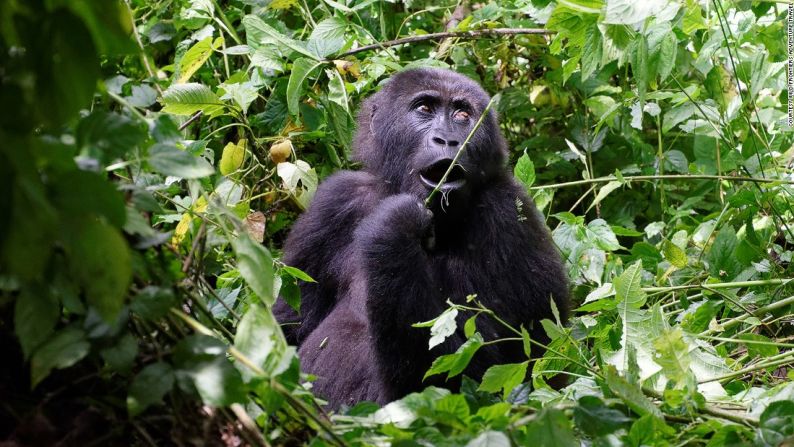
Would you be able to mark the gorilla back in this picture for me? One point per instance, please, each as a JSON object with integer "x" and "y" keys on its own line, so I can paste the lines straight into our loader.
{"x": 383, "y": 261}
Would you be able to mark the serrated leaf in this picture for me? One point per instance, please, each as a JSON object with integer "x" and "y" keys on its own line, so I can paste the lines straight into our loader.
{"x": 592, "y": 51}
{"x": 524, "y": 170}
{"x": 551, "y": 428}
{"x": 722, "y": 259}
{"x": 631, "y": 394}
{"x": 454, "y": 364}
{"x": 256, "y": 267}
{"x": 256, "y": 30}
{"x": 444, "y": 326}
{"x": 672, "y": 354}
{"x": 763, "y": 347}
{"x": 503, "y": 377}
{"x": 187, "y": 99}
{"x": 674, "y": 254}
{"x": 328, "y": 37}
{"x": 490, "y": 439}
{"x": 169, "y": 160}
{"x": 301, "y": 69}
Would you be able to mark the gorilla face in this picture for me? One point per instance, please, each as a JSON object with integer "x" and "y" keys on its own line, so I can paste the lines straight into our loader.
{"x": 411, "y": 130}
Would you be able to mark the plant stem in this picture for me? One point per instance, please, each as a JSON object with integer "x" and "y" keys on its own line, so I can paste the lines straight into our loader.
{"x": 610, "y": 178}
{"x": 460, "y": 151}
{"x": 722, "y": 285}
{"x": 473, "y": 34}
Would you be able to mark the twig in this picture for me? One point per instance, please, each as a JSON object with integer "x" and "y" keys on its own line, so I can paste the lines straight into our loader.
{"x": 628, "y": 179}
{"x": 473, "y": 34}
{"x": 722, "y": 285}
{"x": 460, "y": 152}
{"x": 190, "y": 120}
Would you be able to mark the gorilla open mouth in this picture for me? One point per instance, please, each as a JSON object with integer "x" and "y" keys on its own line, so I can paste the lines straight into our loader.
{"x": 431, "y": 175}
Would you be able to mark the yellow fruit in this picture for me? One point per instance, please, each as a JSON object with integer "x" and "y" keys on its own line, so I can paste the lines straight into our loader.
{"x": 280, "y": 152}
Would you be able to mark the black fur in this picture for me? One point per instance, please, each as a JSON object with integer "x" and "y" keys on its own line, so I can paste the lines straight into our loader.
{"x": 382, "y": 261}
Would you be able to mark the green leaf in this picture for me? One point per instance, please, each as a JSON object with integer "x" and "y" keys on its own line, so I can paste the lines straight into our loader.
{"x": 470, "y": 327}
{"x": 195, "y": 57}
{"x": 490, "y": 438}
{"x": 298, "y": 273}
{"x": 260, "y": 339}
{"x": 672, "y": 354}
{"x": 256, "y": 267}
{"x": 149, "y": 387}
{"x": 763, "y": 347}
{"x": 525, "y": 170}
{"x": 78, "y": 194}
{"x": 776, "y": 424}
{"x": 62, "y": 350}
{"x": 551, "y": 428}
{"x": 629, "y": 12}
{"x": 667, "y": 53}
{"x": 327, "y": 37}
{"x": 169, "y": 160}
{"x": 639, "y": 67}
{"x": 187, "y": 99}
{"x": 65, "y": 79}
{"x": 100, "y": 262}
{"x": 301, "y": 69}
{"x": 233, "y": 156}
{"x": 107, "y": 136}
{"x": 455, "y": 363}
{"x": 674, "y": 254}
{"x": 257, "y": 32}
{"x": 631, "y": 394}
{"x": 723, "y": 263}
{"x": 596, "y": 419}
{"x": 592, "y": 51}
{"x": 121, "y": 356}
{"x": 503, "y": 377}
{"x": 526, "y": 342}
{"x": 153, "y": 303}
{"x": 203, "y": 358}
{"x": 627, "y": 287}
{"x": 35, "y": 314}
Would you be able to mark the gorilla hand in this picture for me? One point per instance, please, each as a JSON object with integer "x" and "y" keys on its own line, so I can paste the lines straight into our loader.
{"x": 398, "y": 221}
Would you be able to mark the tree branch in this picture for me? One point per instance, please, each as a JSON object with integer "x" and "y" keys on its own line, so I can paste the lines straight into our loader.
{"x": 473, "y": 34}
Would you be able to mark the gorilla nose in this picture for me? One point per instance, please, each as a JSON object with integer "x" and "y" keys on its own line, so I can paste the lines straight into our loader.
{"x": 444, "y": 141}
{"x": 431, "y": 176}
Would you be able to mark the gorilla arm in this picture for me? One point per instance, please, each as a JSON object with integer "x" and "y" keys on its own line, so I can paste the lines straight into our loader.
{"x": 400, "y": 290}
{"x": 320, "y": 245}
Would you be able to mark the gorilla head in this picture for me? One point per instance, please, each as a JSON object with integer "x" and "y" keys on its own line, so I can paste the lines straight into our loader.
{"x": 410, "y": 131}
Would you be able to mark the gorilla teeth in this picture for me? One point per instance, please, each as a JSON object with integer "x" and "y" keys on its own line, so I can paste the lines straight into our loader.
{"x": 432, "y": 175}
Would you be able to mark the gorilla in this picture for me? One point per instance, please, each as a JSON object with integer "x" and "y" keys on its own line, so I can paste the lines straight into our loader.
{"x": 383, "y": 261}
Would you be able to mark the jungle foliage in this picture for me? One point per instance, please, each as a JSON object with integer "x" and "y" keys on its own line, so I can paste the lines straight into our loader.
{"x": 155, "y": 153}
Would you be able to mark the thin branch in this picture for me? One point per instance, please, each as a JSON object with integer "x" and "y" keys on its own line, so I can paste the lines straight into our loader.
{"x": 460, "y": 152}
{"x": 473, "y": 34}
{"x": 638, "y": 178}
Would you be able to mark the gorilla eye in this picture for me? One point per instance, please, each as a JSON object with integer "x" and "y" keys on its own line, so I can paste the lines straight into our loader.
{"x": 424, "y": 108}
{"x": 460, "y": 115}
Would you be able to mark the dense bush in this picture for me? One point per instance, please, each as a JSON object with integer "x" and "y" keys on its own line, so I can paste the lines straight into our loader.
{"x": 155, "y": 152}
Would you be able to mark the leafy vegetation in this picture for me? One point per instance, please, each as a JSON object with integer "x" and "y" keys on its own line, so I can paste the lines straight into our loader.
{"x": 155, "y": 152}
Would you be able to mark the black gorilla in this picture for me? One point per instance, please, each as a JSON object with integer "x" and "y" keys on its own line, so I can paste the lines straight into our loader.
{"x": 382, "y": 261}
